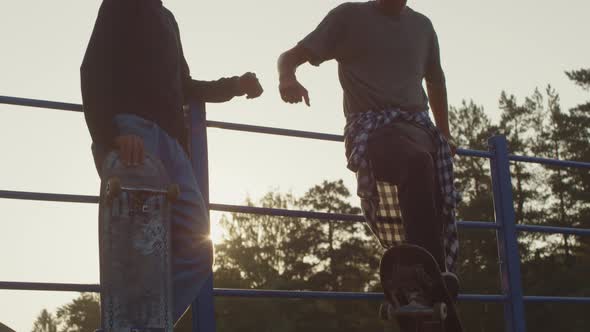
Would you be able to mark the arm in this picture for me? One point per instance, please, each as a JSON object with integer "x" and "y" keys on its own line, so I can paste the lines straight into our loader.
{"x": 439, "y": 105}
{"x": 437, "y": 91}
{"x": 106, "y": 74}
{"x": 105, "y": 70}
{"x": 325, "y": 43}
{"x": 291, "y": 90}
{"x": 440, "y": 109}
{"x": 223, "y": 89}
{"x": 218, "y": 91}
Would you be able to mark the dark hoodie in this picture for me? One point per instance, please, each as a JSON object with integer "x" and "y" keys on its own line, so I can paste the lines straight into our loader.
{"x": 134, "y": 63}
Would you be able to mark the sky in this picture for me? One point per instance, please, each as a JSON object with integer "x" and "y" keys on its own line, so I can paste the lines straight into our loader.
{"x": 486, "y": 46}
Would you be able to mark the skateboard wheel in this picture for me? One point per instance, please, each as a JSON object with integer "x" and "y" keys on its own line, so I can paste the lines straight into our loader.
{"x": 440, "y": 311}
{"x": 173, "y": 192}
{"x": 452, "y": 283}
{"x": 113, "y": 189}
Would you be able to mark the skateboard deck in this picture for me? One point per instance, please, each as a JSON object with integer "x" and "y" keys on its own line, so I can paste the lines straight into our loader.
{"x": 416, "y": 292}
{"x": 134, "y": 245}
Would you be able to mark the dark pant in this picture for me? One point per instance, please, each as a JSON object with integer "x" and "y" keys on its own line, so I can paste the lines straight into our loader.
{"x": 407, "y": 162}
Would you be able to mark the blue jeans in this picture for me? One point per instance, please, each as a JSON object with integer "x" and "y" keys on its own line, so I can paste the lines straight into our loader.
{"x": 192, "y": 250}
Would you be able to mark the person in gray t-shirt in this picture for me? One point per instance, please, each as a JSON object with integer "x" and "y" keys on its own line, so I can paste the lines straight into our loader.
{"x": 385, "y": 50}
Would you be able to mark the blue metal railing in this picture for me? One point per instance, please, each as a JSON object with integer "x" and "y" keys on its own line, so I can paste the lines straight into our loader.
{"x": 203, "y": 314}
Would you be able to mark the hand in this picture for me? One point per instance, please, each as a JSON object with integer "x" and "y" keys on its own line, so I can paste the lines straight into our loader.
{"x": 292, "y": 91}
{"x": 131, "y": 149}
{"x": 249, "y": 84}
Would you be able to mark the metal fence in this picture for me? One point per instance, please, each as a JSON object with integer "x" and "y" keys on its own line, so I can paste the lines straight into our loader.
{"x": 507, "y": 230}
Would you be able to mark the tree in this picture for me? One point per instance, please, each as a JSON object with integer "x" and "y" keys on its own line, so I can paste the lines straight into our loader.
{"x": 516, "y": 124}
{"x": 45, "y": 322}
{"x": 350, "y": 263}
{"x": 298, "y": 254}
{"x": 578, "y": 148}
{"x": 81, "y": 315}
{"x": 561, "y": 199}
{"x": 478, "y": 268}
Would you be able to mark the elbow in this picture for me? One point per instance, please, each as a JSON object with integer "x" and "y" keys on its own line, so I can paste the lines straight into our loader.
{"x": 290, "y": 60}
{"x": 436, "y": 84}
{"x": 284, "y": 60}
{"x": 436, "y": 79}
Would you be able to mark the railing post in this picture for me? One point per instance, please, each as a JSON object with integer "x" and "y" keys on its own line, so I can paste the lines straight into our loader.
{"x": 507, "y": 235}
{"x": 203, "y": 312}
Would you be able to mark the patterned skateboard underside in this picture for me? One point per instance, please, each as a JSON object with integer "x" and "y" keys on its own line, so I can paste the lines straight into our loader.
{"x": 134, "y": 228}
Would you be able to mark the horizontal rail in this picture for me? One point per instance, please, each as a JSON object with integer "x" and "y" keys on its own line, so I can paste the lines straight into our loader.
{"x": 260, "y": 293}
{"x": 550, "y": 162}
{"x": 323, "y": 215}
{"x": 49, "y": 197}
{"x": 557, "y": 299}
{"x": 310, "y": 135}
{"x": 254, "y": 293}
{"x": 257, "y": 293}
{"x": 285, "y": 213}
{"x": 215, "y": 124}
{"x": 275, "y": 131}
{"x": 474, "y": 153}
{"x": 553, "y": 230}
{"x": 286, "y": 132}
{"x": 40, "y": 104}
{"x": 224, "y": 292}
{"x": 51, "y": 287}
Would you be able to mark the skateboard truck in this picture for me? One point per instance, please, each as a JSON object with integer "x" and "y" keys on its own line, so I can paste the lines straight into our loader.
{"x": 114, "y": 188}
{"x": 418, "y": 294}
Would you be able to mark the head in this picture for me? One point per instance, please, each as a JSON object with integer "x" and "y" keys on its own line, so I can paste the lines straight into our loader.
{"x": 392, "y": 7}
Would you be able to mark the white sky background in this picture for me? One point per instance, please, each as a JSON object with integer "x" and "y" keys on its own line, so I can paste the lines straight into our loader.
{"x": 486, "y": 46}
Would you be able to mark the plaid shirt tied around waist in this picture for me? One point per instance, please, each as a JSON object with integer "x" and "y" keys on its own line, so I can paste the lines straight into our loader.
{"x": 379, "y": 200}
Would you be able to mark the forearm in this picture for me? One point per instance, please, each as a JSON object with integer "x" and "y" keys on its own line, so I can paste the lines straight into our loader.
{"x": 437, "y": 94}
{"x": 218, "y": 91}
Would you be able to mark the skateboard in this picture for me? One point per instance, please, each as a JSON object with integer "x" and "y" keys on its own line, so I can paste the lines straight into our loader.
{"x": 416, "y": 291}
{"x": 134, "y": 246}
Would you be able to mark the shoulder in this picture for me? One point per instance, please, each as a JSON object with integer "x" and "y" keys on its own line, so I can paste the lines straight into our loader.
{"x": 420, "y": 18}
{"x": 347, "y": 8}
{"x": 168, "y": 14}
{"x": 348, "y": 12}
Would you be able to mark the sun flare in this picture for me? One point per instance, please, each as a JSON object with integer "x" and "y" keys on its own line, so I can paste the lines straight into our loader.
{"x": 216, "y": 233}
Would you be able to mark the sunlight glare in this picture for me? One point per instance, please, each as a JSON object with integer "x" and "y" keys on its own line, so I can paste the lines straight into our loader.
{"x": 216, "y": 233}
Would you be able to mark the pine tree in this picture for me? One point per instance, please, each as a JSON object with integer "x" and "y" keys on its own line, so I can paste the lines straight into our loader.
{"x": 45, "y": 322}
{"x": 81, "y": 315}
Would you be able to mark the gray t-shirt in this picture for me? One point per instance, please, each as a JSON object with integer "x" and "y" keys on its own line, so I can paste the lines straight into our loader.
{"x": 382, "y": 59}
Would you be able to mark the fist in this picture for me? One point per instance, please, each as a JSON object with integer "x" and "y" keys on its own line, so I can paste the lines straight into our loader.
{"x": 249, "y": 85}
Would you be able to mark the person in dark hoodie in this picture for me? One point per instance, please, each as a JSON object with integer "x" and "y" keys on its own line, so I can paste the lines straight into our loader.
{"x": 135, "y": 81}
